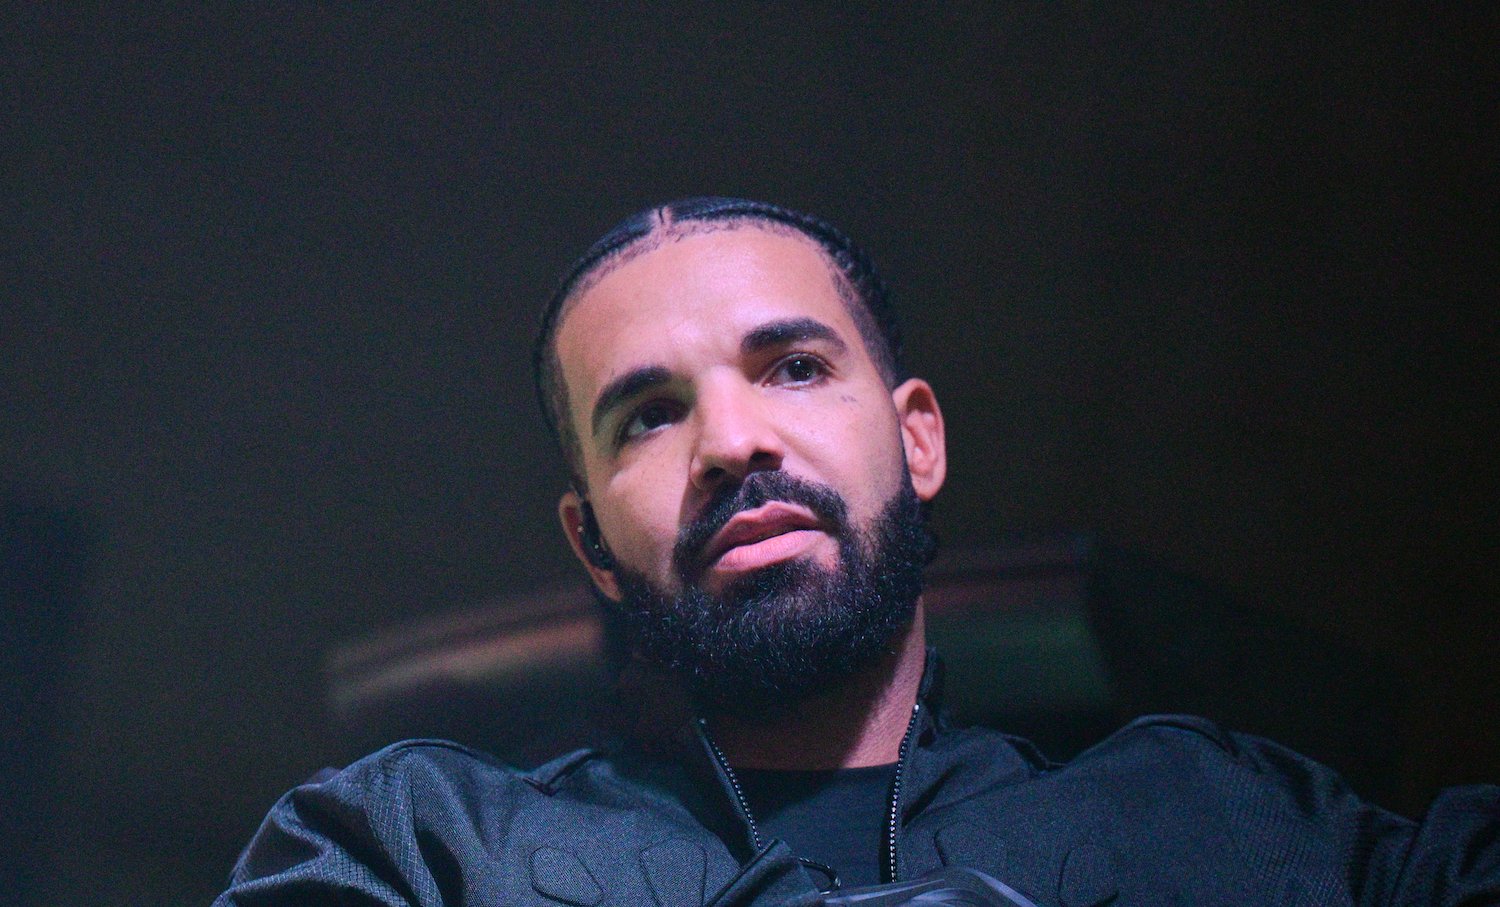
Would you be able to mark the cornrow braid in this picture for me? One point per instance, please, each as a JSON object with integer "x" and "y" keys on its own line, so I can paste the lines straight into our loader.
{"x": 860, "y": 284}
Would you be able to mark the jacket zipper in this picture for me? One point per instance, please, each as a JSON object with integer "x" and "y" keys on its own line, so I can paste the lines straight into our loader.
{"x": 894, "y": 814}
{"x": 893, "y": 811}
{"x": 734, "y": 784}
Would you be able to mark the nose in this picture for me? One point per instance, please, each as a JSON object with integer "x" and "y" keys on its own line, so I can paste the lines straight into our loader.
{"x": 736, "y": 435}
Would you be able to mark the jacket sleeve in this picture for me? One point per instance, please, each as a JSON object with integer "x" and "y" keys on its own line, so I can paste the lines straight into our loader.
{"x": 1454, "y": 857}
{"x": 348, "y": 841}
{"x": 1450, "y": 858}
{"x": 1285, "y": 829}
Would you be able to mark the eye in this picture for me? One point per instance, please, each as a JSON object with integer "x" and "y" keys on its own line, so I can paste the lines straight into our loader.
{"x": 799, "y": 368}
{"x": 648, "y": 417}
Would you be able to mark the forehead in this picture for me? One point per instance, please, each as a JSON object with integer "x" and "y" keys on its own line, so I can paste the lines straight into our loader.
{"x": 695, "y": 292}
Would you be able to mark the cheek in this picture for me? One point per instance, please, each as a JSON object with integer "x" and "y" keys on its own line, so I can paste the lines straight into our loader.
{"x": 856, "y": 446}
{"x": 639, "y": 518}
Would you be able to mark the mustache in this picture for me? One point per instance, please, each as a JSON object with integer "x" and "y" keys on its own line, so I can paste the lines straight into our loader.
{"x": 757, "y": 489}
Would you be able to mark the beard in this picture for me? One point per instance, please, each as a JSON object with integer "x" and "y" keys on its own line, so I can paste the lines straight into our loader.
{"x": 789, "y": 630}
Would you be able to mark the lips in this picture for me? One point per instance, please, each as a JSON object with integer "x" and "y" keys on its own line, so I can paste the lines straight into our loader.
{"x": 750, "y": 526}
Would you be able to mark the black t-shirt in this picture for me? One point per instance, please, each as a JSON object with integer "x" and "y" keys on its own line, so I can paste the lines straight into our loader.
{"x": 834, "y": 816}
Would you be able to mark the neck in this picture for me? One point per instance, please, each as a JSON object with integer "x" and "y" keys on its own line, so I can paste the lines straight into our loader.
{"x": 860, "y": 723}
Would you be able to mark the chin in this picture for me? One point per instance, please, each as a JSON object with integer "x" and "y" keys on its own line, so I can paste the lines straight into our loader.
{"x": 782, "y": 634}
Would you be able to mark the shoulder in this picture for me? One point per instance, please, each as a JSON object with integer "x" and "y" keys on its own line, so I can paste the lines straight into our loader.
{"x": 1174, "y": 743}
{"x": 409, "y": 762}
{"x": 447, "y": 787}
{"x": 434, "y": 788}
{"x": 1268, "y": 805}
{"x": 1195, "y": 752}
{"x": 429, "y": 822}
{"x": 1152, "y": 744}
{"x": 416, "y": 778}
{"x": 1160, "y": 800}
{"x": 1187, "y": 758}
{"x": 1200, "y": 789}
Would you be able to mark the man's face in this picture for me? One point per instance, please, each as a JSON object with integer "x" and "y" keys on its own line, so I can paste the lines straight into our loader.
{"x": 711, "y": 358}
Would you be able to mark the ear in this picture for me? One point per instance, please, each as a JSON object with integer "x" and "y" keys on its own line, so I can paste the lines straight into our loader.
{"x": 570, "y": 513}
{"x": 922, "y": 435}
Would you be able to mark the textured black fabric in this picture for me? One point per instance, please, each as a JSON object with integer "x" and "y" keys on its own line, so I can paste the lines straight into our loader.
{"x": 836, "y": 817}
{"x": 1170, "y": 810}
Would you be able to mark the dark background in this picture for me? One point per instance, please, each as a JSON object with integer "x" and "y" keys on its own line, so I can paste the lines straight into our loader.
{"x": 1213, "y": 283}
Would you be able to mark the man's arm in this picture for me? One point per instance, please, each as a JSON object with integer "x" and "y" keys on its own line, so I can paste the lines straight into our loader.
{"x": 348, "y": 840}
{"x": 1450, "y": 857}
{"x": 1454, "y": 858}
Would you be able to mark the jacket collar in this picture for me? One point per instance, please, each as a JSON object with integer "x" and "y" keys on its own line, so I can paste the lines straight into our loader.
{"x": 941, "y": 766}
{"x": 723, "y": 813}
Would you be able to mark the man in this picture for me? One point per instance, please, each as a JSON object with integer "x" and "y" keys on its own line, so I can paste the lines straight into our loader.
{"x": 750, "y": 468}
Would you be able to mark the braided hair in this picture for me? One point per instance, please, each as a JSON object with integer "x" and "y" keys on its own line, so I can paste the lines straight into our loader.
{"x": 858, "y": 283}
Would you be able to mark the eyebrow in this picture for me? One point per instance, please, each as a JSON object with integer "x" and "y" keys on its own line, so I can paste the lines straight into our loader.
{"x": 790, "y": 330}
{"x": 624, "y": 387}
{"x": 769, "y": 335}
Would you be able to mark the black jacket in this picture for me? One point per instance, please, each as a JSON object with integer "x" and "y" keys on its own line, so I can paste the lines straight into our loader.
{"x": 1170, "y": 810}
